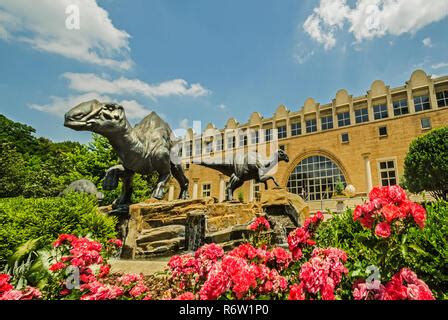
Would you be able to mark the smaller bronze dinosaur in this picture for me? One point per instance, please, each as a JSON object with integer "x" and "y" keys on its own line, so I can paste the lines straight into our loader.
{"x": 245, "y": 167}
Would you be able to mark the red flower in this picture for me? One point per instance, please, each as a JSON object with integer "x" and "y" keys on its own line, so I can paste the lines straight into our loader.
{"x": 57, "y": 266}
{"x": 260, "y": 224}
{"x": 296, "y": 292}
{"x": 419, "y": 214}
{"x": 104, "y": 271}
{"x": 115, "y": 242}
{"x": 390, "y": 212}
{"x": 4, "y": 283}
{"x": 185, "y": 296}
{"x": 64, "y": 239}
{"x": 382, "y": 230}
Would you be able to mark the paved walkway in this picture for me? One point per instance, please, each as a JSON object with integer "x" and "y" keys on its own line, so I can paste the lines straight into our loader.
{"x": 147, "y": 267}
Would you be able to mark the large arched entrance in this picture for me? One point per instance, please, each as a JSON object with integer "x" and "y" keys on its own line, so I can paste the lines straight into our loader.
{"x": 315, "y": 178}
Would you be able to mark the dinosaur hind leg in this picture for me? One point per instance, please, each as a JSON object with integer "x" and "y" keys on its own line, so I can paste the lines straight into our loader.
{"x": 179, "y": 175}
{"x": 234, "y": 184}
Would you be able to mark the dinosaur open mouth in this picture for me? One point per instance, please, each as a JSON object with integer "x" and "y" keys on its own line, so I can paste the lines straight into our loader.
{"x": 76, "y": 124}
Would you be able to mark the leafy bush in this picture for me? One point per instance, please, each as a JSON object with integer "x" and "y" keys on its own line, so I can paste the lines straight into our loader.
{"x": 25, "y": 219}
{"x": 426, "y": 164}
{"x": 422, "y": 250}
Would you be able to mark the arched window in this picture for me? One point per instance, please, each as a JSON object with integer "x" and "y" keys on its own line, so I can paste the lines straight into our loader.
{"x": 315, "y": 178}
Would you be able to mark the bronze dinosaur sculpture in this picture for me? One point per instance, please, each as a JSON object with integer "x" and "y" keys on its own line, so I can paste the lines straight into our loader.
{"x": 145, "y": 148}
{"x": 247, "y": 166}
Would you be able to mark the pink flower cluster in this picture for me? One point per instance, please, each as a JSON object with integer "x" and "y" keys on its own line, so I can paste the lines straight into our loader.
{"x": 386, "y": 206}
{"x": 88, "y": 255}
{"x": 301, "y": 237}
{"x": 7, "y": 291}
{"x": 244, "y": 272}
{"x": 260, "y": 224}
{"x": 321, "y": 274}
{"x": 403, "y": 286}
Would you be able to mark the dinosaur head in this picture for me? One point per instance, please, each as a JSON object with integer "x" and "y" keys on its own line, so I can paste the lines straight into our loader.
{"x": 97, "y": 117}
{"x": 282, "y": 156}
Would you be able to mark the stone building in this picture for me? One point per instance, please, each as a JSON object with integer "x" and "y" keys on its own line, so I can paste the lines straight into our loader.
{"x": 361, "y": 141}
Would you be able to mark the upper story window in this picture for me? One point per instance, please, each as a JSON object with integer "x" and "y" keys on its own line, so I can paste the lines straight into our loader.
{"x": 422, "y": 103}
{"x": 361, "y": 115}
{"x": 254, "y": 137}
{"x": 243, "y": 140}
{"x": 343, "y": 119}
{"x": 198, "y": 147}
{"x": 230, "y": 142}
{"x": 327, "y": 122}
{"x": 442, "y": 98}
{"x": 209, "y": 147}
{"x": 219, "y": 143}
{"x": 268, "y": 135}
{"x": 281, "y": 132}
{"x": 189, "y": 149}
{"x": 296, "y": 129}
{"x": 401, "y": 107}
{"x": 380, "y": 111}
{"x": 311, "y": 125}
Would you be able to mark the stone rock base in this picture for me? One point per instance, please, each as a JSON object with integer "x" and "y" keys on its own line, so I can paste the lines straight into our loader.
{"x": 160, "y": 228}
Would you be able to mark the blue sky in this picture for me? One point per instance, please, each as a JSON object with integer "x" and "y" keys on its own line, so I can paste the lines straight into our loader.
{"x": 208, "y": 60}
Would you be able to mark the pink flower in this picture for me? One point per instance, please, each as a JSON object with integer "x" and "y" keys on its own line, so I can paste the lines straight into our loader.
{"x": 138, "y": 290}
{"x": 382, "y": 230}
{"x": 116, "y": 242}
{"x": 57, "y": 266}
{"x": 260, "y": 224}
{"x": 296, "y": 292}
{"x": 186, "y": 296}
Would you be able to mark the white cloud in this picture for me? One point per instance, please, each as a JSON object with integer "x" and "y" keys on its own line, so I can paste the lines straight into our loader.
{"x": 42, "y": 25}
{"x": 427, "y": 42}
{"x": 369, "y": 19}
{"x": 222, "y": 106}
{"x": 301, "y": 53}
{"x": 440, "y": 65}
{"x": 89, "y": 82}
{"x": 60, "y": 105}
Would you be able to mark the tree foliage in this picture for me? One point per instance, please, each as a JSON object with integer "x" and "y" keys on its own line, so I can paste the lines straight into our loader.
{"x": 426, "y": 164}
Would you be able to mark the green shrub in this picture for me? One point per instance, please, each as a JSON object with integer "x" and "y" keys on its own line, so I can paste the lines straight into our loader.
{"x": 24, "y": 219}
{"x": 426, "y": 164}
{"x": 423, "y": 251}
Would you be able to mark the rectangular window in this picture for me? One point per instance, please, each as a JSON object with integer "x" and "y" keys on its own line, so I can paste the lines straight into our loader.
{"x": 442, "y": 98}
{"x": 206, "y": 190}
{"x": 361, "y": 115}
{"x": 426, "y": 123}
{"x": 254, "y": 137}
{"x": 268, "y": 135}
{"x": 219, "y": 143}
{"x": 421, "y": 103}
{"x": 345, "y": 137}
{"x": 382, "y": 131}
{"x": 380, "y": 111}
{"x": 209, "y": 147}
{"x": 296, "y": 129}
{"x": 281, "y": 132}
{"x": 257, "y": 193}
{"x": 198, "y": 147}
{"x": 401, "y": 107}
{"x": 388, "y": 174}
{"x": 230, "y": 142}
{"x": 327, "y": 122}
{"x": 343, "y": 119}
{"x": 189, "y": 148}
{"x": 243, "y": 140}
{"x": 311, "y": 125}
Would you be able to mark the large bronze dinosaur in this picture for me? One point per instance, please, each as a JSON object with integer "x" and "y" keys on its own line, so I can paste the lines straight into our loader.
{"x": 247, "y": 166}
{"x": 144, "y": 149}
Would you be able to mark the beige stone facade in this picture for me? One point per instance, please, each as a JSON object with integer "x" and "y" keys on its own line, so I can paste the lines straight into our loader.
{"x": 363, "y": 139}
